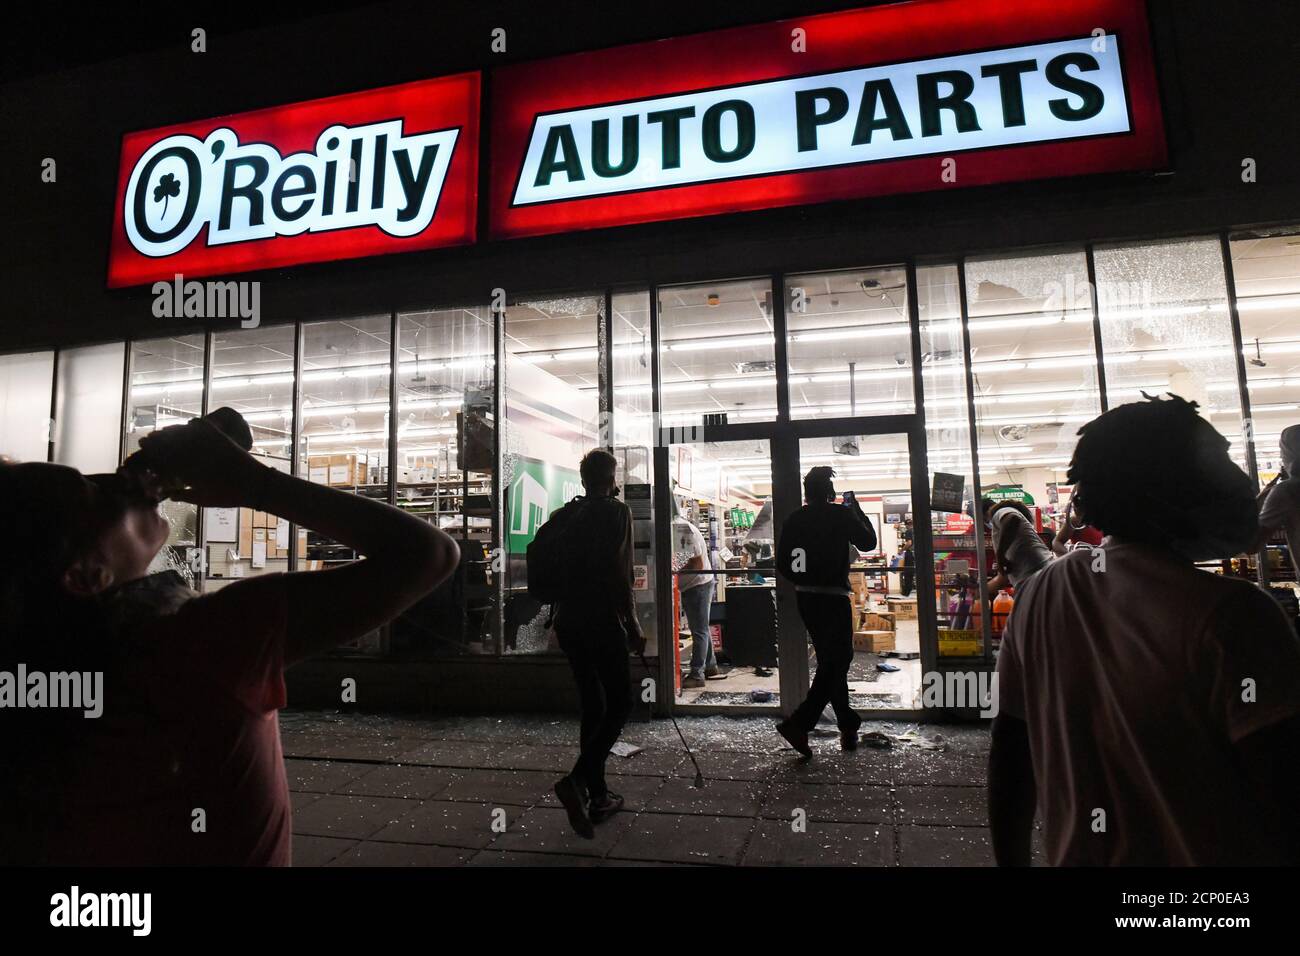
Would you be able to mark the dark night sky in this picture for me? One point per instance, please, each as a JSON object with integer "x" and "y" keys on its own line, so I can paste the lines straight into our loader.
{"x": 39, "y": 39}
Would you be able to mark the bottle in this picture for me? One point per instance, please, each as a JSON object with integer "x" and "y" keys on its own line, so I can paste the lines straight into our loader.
{"x": 1002, "y": 606}
{"x": 225, "y": 420}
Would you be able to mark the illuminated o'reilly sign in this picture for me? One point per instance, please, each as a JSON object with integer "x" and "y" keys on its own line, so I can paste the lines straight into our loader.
{"x": 385, "y": 170}
{"x": 357, "y": 176}
{"x": 1030, "y": 94}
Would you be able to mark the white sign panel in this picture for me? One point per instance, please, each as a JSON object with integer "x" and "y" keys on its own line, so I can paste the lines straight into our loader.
{"x": 1043, "y": 92}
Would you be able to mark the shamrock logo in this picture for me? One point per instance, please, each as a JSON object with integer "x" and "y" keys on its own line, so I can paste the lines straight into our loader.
{"x": 167, "y": 187}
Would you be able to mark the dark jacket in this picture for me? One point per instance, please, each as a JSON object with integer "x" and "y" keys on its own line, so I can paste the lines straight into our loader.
{"x": 824, "y": 531}
{"x": 602, "y": 573}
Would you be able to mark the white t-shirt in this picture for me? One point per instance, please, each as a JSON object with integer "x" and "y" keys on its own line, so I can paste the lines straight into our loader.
{"x": 1129, "y": 675}
{"x": 689, "y": 544}
{"x": 1025, "y": 549}
{"x": 1281, "y": 511}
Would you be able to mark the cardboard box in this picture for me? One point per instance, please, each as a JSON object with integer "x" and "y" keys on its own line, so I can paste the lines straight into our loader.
{"x": 346, "y": 471}
{"x": 873, "y": 641}
{"x": 318, "y": 469}
{"x": 879, "y": 621}
{"x": 904, "y": 609}
{"x": 245, "y": 532}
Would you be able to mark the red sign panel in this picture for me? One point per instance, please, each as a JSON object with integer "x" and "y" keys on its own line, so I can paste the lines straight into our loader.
{"x": 387, "y": 170}
{"x": 912, "y": 96}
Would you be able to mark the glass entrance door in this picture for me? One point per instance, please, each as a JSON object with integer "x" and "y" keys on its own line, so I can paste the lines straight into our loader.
{"x": 885, "y": 672}
{"x": 735, "y": 641}
{"x": 721, "y": 596}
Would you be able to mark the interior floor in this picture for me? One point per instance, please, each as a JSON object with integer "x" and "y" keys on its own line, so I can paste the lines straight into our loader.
{"x": 869, "y": 687}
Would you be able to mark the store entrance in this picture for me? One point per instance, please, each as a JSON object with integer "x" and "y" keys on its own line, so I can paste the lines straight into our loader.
{"x": 734, "y": 640}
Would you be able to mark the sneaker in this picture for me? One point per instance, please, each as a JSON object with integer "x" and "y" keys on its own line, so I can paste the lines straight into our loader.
{"x": 601, "y": 810}
{"x": 571, "y": 795}
{"x": 797, "y": 739}
{"x": 714, "y": 673}
{"x": 691, "y": 681}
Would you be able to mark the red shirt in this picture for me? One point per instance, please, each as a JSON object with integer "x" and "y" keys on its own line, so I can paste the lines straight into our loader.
{"x": 1086, "y": 535}
{"x": 190, "y": 724}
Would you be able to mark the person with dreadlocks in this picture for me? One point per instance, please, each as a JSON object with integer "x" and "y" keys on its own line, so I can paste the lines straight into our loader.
{"x": 191, "y": 683}
{"x": 1149, "y": 711}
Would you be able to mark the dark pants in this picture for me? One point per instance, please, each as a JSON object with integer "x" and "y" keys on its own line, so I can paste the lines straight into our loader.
{"x": 604, "y": 677}
{"x": 829, "y": 620}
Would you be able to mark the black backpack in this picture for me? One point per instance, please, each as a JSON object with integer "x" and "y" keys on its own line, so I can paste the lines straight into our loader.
{"x": 552, "y": 554}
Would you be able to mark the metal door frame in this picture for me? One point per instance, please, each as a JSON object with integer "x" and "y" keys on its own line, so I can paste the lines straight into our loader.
{"x": 783, "y": 438}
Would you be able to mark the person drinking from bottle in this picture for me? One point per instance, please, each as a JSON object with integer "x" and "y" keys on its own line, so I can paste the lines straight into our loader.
{"x": 184, "y": 766}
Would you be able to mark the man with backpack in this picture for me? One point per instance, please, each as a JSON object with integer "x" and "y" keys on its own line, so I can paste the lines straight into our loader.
{"x": 813, "y": 554}
{"x": 580, "y": 563}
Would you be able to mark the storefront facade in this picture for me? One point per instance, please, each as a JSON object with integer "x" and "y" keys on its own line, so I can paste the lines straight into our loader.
{"x": 953, "y": 309}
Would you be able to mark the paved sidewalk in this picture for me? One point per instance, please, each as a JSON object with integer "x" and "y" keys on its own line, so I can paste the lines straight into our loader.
{"x": 445, "y": 791}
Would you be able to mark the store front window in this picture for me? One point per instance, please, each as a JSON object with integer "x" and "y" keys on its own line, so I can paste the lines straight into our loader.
{"x": 445, "y": 464}
{"x": 87, "y": 430}
{"x": 717, "y": 352}
{"x": 960, "y": 556}
{"x": 344, "y": 436}
{"x": 26, "y": 388}
{"x": 850, "y": 347}
{"x": 1034, "y": 374}
{"x": 253, "y": 373}
{"x": 167, "y": 388}
{"x": 1266, "y": 269}
{"x": 488, "y": 448}
{"x": 632, "y": 366}
{"x": 1165, "y": 325}
{"x": 551, "y": 419}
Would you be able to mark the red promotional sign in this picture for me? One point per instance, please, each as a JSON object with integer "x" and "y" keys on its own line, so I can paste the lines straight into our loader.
{"x": 363, "y": 174}
{"x": 907, "y": 97}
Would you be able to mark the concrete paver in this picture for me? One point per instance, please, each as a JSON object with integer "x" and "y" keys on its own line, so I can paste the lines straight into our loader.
{"x": 370, "y": 790}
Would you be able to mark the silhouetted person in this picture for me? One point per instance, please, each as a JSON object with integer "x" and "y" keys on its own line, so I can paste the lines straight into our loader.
{"x": 814, "y": 554}
{"x": 1280, "y": 501}
{"x": 906, "y": 558}
{"x": 596, "y": 624}
{"x": 1148, "y": 709}
{"x": 192, "y": 684}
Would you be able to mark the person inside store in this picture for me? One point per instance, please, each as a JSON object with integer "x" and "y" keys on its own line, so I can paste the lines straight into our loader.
{"x": 813, "y": 553}
{"x": 1018, "y": 549}
{"x": 1070, "y": 535}
{"x": 906, "y": 557}
{"x": 696, "y": 586}
{"x": 596, "y": 624}
{"x": 184, "y": 764}
{"x": 1280, "y": 502}
{"x": 1149, "y": 711}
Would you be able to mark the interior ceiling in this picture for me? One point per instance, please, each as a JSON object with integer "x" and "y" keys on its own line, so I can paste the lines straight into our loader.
{"x": 853, "y": 301}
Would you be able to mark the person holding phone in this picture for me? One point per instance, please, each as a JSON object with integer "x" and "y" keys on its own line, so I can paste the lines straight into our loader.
{"x": 814, "y": 553}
